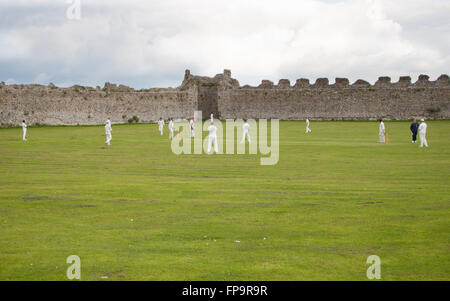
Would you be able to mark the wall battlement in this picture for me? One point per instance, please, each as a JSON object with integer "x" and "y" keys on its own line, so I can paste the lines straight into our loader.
{"x": 383, "y": 81}
{"x": 223, "y": 95}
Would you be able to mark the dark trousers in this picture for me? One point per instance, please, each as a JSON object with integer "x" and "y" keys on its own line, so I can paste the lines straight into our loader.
{"x": 414, "y": 136}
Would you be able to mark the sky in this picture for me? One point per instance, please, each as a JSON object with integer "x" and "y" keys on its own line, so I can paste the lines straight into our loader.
{"x": 146, "y": 43}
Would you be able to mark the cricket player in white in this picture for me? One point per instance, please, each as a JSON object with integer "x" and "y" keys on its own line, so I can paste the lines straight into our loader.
{"x": 308, "y": 130}
{"x": 171, "y": 129}
{"x": 212, "y": 137}
{"x": 422, "y": 133}
{"x": 381, "y": 132}
{"x": 161, "y": 125}
{"x": 245, "y": 128}
{"x": 192, "y": 127}
{"x": 212, "y": 117}
{"x": 108, "y": 131}
{"x": 24, "y": 130}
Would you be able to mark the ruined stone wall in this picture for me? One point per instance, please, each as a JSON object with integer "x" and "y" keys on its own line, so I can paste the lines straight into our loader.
{"x": 347, "y": 103}
{"x": 340, "y": 101}
{"x": 208, "y": 101}
{"x": 79, "y": 105}
{"x": 224, "y": 96}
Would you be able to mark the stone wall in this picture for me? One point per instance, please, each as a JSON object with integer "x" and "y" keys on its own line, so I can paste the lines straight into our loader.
{"x": 224, "y": 96}
{"x": 336, "y": 104}
{"x": 81, "y": 105}
{"x": 339, "y": 101}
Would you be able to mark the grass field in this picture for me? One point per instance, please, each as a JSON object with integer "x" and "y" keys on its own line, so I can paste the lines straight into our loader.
{"x": 136, "y": 211}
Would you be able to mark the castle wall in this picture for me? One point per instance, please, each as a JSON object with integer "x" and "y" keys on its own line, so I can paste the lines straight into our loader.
{"x": 208, "y": 100}
{"x": 336, "y": 103}
{"x": 224, "y": 96}
{"x": 56, "y": 106}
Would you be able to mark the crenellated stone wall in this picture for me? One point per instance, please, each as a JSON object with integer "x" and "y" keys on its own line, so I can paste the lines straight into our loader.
{"x": 340, "y": 101}
{"x": 223, "y": 96}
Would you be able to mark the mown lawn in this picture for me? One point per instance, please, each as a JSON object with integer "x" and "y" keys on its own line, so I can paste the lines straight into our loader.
{"x": 136, "y": 211}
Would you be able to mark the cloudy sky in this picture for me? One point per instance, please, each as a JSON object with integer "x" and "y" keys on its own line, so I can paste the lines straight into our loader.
{"x": 145, "y": 44}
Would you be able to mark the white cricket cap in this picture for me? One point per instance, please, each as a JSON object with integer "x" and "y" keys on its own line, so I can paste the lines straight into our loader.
{"x": 422, "y": 119}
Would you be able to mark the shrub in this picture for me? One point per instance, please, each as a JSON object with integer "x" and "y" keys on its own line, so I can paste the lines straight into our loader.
{"x": 433, "y": 110}
{"x": 133, "y": 119}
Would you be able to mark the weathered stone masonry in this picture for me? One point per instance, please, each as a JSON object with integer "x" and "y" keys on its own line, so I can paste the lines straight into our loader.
{"x": 227, "y": 99}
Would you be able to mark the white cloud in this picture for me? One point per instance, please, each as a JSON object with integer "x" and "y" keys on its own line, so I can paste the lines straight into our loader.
{"x": 150, "y": 43}
{"x": 13, "y": 46}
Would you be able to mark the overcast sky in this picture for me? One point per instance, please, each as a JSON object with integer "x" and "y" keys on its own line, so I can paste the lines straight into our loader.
{"x": 145, "y": 44}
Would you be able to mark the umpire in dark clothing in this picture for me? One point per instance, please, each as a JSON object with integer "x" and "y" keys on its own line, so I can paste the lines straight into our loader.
{"x": 414, "y": 127}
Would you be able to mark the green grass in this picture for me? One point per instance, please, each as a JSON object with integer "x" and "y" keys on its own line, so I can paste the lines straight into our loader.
{"x": 335, "y": 197}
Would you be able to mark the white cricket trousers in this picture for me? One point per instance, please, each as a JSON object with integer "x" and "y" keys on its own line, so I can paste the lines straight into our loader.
{"x": 24, "y": 137}
{"x": 245, "y": 134}
{"x": 308, "y": 130}
{"x": 108, "y": 138}
{"x": 382, "y": 138}
{"x": 171, "y": 134}
{"x": 161, "y": 130}
{"x": 211, "y": 140}
{"x": 423, "y": 140}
